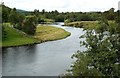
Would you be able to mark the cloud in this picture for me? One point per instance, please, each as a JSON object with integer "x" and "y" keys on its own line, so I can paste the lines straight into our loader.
{"x": 93, "y": 5}
{"x": 119, "y": 5}
{"x": 63, "y": 5}
{"x": 37, "y": 4}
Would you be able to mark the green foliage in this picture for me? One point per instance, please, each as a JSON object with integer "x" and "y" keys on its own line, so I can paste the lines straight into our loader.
{"x": 83, "y": 66}
{"x": 21, "y": 17}
{"x": 110, "y": 14}
{"x": 79, "y": 16}
{"x": 36, "y": 12}
{"x": 5, "y": 13}
{"x": 16, "y": 18}
{"x": 57, "y": 16}
{"x": 13, "y": 17}
{"x": 102, "y": 57}
{"x": 29, "y": 25}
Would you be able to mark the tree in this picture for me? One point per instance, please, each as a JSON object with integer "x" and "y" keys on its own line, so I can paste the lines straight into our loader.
{"x": 13, "y": 17}
{"x": 21, "y": 17}
{"x": 110, "y": 14}
{"x": 36, "y": 12}
{"x": 16, "y": 18}
{"x": 29, "y": 25}
{"x": 5, "y": 12}
{"x": 102, "y": 57}
{"x": 43, "y": 11}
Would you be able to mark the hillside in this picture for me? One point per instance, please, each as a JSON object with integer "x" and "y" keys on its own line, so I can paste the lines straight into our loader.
{"x": 15, "y": 37}
{"x": 21, "y": 11}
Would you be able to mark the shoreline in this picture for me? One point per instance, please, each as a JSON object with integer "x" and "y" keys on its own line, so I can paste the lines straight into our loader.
{"x": 28, "y": 41}
{"x": 39, "y": 42}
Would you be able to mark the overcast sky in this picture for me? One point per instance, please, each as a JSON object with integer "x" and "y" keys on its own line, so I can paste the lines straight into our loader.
{"x": 63, "y": 5}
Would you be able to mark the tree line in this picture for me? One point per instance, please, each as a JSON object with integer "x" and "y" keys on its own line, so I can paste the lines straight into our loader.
{"x": 61, "y": 16}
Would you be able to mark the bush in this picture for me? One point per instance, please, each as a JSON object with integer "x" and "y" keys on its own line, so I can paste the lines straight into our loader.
{"x": 29, "y": 25}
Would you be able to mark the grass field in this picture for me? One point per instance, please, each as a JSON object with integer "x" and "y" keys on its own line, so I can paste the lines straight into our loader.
{"x": 43, "y": 33}
{"x": 50, "y": 33}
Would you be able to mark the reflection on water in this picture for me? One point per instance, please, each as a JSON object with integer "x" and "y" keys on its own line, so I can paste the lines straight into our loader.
{"x": 45, "y": 59}
{"x": 17, "y": 53}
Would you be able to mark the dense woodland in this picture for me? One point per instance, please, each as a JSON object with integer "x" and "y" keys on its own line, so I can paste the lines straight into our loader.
{"x": 102, "y": 57}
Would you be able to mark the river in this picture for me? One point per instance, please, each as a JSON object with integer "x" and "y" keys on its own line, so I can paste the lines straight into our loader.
{"x": 46, "y": 59}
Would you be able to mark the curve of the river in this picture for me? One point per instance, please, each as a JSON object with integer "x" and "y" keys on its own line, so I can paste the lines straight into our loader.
{"x": 45, "y": 59}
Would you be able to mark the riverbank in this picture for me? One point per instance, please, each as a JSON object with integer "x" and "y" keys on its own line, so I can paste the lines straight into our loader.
{"x": 43, "y": 34}
{"x": 86, "y": 24}
{"x": 15, "y": 37}
{"x": 50, "y": 33}
{"x": 83, "y": 24}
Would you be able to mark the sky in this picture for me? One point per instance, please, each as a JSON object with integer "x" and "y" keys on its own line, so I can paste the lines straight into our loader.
{"x": 63, "y": 5}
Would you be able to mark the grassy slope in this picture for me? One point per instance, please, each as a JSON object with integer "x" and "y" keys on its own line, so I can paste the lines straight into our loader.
{"x": 49, "y": 33}
{"x": 15, "y": 38}
{"x": 43, "y": 33}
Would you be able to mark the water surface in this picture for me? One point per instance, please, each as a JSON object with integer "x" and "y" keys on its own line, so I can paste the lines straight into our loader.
{"x": 45, "y": 59}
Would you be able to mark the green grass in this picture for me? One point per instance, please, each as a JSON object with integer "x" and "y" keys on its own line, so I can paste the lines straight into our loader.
{"x": 43, "y": 33}
{"x": 85, "y": 24}
{"x": 50, "y": 33}
{"x": 15, "y": 38}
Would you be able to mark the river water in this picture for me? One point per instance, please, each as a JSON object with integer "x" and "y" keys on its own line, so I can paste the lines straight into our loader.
{"x": 45, "y": 59}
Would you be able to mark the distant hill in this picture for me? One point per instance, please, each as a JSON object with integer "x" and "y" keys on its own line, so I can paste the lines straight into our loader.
{"x": 19, "y": 10}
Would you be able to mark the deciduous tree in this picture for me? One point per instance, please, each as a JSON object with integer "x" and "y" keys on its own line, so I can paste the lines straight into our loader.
{"x": 29, "y": 25}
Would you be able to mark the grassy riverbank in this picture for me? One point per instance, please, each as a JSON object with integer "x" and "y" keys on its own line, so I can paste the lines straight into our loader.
{"x": 43, "y": 33}
{"x": 85, "y": 24}
{"x": 16, "y": 38}
{"x": 50, "y": 33}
